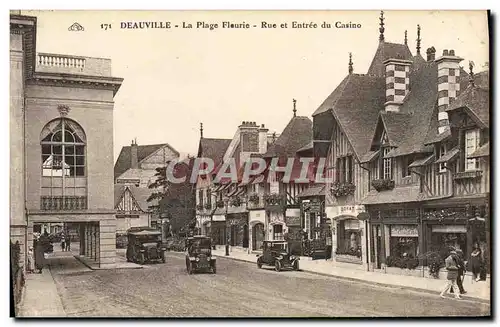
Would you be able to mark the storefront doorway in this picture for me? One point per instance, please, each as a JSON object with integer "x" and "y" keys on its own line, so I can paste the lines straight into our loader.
{"x": 258, "y": 235}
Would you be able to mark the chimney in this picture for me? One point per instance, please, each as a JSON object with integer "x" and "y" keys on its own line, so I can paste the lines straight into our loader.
{"x": 431, "y": 54}
{"x": 448, "y": 85}
{"x": 397, "y": 82}
{"x": 134, "y": 160}
{"x": 249, "y": 137}
{"x": 263, "y": 138}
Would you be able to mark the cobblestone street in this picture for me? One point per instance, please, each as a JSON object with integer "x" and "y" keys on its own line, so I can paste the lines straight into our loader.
{"x": 237, "y": 290}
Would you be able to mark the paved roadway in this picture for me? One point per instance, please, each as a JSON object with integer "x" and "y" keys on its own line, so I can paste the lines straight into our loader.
{"x": 238, "y": 289}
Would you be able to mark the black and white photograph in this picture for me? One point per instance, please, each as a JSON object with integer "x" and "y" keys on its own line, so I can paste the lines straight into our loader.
{"x": 250, "y": 164}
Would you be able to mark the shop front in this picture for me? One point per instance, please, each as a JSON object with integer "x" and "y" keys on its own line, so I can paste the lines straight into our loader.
{"x": 394, "y": 236}
{"x": 257, "y": 230}
{"x": 238, "y": 229}
{"x": 276, "y": 226}
{"x": 348, "y": 233}
{"x": 294, "y": 234}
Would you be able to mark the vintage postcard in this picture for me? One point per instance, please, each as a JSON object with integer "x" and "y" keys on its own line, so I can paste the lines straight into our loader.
{"x": 250, "y": 164}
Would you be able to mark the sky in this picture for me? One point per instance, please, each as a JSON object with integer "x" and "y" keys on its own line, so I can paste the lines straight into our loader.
{"x": 174, "y": 79}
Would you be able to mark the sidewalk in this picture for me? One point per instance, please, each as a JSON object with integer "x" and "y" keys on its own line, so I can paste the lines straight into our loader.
{"x": 41, "y": 298}
{"x": 477, "y": 291}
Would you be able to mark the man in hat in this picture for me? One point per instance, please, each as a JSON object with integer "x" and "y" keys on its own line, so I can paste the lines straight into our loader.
{"x": 452, "y": 274}
{"x": 459, "y": 261}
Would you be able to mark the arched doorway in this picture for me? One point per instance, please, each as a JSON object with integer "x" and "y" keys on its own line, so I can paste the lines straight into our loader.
{"x": 245, "y": 236}
{"x": 258, "y": 235}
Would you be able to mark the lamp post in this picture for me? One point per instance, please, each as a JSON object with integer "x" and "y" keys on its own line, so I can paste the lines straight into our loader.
{"x": 227, "y": 228}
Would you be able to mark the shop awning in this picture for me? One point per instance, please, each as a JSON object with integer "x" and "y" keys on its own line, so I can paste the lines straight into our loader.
{"x": 483, "y": 151}
{"x": 450, "y": 155}
{"x": 396, "y": 195}
{"x": 314, "y": 190}
{"x": 369, "y": 156}
{"x": 422, "y": 162}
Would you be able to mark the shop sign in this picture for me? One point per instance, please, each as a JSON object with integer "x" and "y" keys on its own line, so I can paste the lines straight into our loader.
{"x": 404, "y": 230}
{"x": 275, "y": 218}
{"x": 219, "y": 218}
{"x": 351, "y": 224}
{"x": 311, "y": 206}
{"x": 292, "y": 221}
{"x": 449, "y": 229}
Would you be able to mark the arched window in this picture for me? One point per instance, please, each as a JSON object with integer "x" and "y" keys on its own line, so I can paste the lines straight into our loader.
{"x": 64, "y": 181}
{"x": 63, "y": 149}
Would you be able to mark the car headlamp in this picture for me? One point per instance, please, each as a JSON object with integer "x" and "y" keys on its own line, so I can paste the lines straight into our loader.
{"x": 197, "y": 259}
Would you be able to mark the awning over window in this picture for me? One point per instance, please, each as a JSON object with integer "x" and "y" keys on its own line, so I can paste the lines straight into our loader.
{"x": 422, "y": 162}
{"x": 483, "y": 151}
{"x": 450, "y": 155}
{"x": 315, "y": 190}
{"x": 370, "y": 156}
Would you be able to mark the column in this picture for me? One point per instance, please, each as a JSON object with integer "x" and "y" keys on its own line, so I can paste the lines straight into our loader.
{"x": 364, "y": 237}
{"x": 387, "y": 234}
{"x": 335, "y": 231}
{"x": 382, "y": 245}
{"x": 82, "y": 239}
{"x": 106, "y": 232}
{"x": 375, "y": 245}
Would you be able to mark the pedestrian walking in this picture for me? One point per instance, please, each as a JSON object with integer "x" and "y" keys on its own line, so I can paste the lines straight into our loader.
{"x": 63, "y": 243}
{"x": 68, "y": 243}
{"x": 31, "y": 260}
{"x": 476, "y": 262}
{"x": 39, "y": 256}
{"x": 452, "y": 274}
{"x": 458, "y": 258}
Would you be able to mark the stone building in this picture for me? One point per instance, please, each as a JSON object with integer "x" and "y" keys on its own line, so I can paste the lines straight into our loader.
{"x": 61, "y": 141}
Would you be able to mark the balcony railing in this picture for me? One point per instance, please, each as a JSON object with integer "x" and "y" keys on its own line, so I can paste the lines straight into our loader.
{"x": 468, "y": 174}
{"x": 57, "y": 63}
{"x": 255, "y": 201}
{"x": 59, "y": 203}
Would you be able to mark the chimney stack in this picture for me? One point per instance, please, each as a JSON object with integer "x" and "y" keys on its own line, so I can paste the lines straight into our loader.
{"x": 134, "y": 160}
{"x": 263, "y": 138}
{"x": 249, "y": 137}
{"x": 431, "y": 54}
{"x": 448, "y": 85}
{"x": 397, "y": 81}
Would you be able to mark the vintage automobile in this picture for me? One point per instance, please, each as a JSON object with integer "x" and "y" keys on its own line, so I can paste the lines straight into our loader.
{"x": 276, "y": 253}
{"x": 199, "y": 254}
{"x": 145, "y": 246}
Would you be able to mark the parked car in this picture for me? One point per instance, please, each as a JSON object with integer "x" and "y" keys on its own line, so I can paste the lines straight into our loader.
{"x": 145, "y": 246}
{"x": 199, "y": 254}
{"x": 276, "y": 253}
{"x": 121, "y": 241}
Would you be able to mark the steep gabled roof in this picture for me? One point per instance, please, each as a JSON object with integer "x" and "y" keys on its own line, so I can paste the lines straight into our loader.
{"x": 477, "y": 102}
{"x": 387, "y": 50}
{"x": 123, "y": 163}
{"x": 421, "y": 105}
{"x": 297, "y": 134}
{"x": 394, "y": 124}
{"x": 331, "y": 100}
{"x": 357, "y": 109}
{"x": 140, "y": 195}
{"x": 213, "y": 149}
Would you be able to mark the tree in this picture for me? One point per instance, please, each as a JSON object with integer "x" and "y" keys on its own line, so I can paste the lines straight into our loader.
{"x": 175, "y": 200}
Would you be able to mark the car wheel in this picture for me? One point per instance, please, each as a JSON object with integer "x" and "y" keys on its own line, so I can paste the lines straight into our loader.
{"x": 259, "y": 264}
{"x": 141, "y": 259}
{"x": 190, "y": 268}
{"x": 277, "y": 265}
{"x": 296, "y": 265}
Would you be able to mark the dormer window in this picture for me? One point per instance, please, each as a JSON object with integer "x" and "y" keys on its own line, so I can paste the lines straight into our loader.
{"x": 472, "y": 140}
{"x": 441, "y": 152}
{"x": 386, "y": 164}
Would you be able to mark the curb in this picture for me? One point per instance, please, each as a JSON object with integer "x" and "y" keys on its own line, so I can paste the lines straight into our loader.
{"x": 99, "y": 268}
{"x": 416, "y": 289}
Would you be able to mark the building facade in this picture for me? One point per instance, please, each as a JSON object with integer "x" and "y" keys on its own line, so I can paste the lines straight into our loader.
{"x": 408, "y": 153}
{"x": 62, "y": 143}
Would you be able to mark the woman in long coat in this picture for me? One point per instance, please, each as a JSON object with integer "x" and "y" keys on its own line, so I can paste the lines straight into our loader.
{"x": 39, "y": 256}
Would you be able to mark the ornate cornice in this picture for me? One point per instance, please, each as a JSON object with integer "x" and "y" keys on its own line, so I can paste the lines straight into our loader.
{"x": 71, "y": 80}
